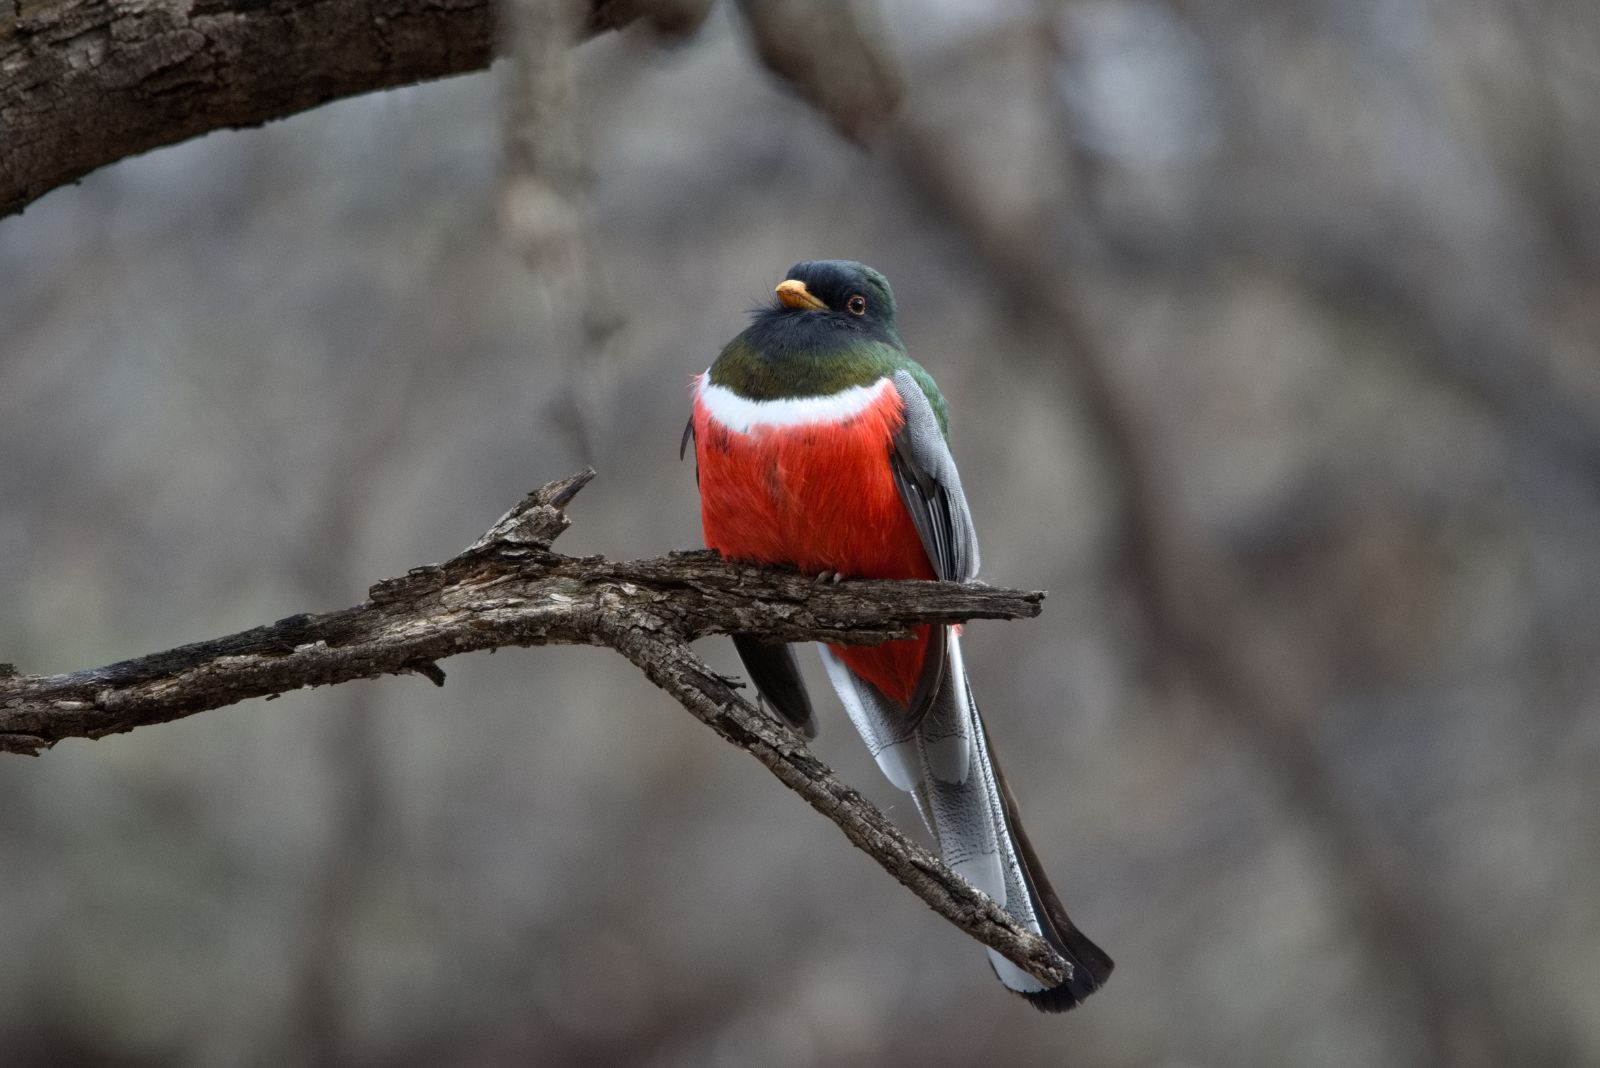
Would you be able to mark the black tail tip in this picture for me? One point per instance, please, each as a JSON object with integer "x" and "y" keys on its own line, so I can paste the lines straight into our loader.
{"x": 1090, "y": 970}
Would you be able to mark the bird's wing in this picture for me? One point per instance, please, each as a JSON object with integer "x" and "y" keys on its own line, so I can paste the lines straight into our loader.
{"x": 771, "y": 666}
{"x": 930, "y": 486}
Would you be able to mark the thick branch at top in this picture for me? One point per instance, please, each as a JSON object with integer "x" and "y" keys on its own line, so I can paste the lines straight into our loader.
{"x": 508, "y": 588}
{"x": 84, "y": 83}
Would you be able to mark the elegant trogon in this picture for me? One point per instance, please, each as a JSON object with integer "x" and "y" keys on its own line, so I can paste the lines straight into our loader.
{"x": 821, "y": 445}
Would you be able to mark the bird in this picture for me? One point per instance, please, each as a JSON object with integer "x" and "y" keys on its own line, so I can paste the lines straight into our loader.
{"x": 820, "y": 445}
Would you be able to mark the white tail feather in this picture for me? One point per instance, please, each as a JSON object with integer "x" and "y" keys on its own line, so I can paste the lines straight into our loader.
{"x": 1012, "y": 976}
{"x": 945, "y": 732}
{"x": 879, "y": 723}
{"x": 944, "y": 764}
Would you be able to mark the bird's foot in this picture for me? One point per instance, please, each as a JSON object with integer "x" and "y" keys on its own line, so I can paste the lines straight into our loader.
{"x": 828, "y": 578}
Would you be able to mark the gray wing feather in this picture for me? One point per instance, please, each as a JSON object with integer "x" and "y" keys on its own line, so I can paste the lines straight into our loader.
{"x": 930, "y": 485}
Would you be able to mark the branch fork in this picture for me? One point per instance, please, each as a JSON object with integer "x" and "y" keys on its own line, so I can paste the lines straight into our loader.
{"x": 509, "y": 587}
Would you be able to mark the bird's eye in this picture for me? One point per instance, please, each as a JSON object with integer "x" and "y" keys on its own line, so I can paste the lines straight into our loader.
{"x": 857, "y": 304}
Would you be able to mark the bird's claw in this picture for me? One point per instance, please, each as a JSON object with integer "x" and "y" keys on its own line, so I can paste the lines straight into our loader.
{"x": 828, "y": 578}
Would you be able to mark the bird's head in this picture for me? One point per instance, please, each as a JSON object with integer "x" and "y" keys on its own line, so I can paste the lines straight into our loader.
{"x": 850, "y": 291}
{"x": 829, "y": 326}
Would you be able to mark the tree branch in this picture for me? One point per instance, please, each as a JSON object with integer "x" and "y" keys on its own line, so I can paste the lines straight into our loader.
{"x": 669, "y": 663}
{"x": 84, "y": 83}
{"x": 509, "y": 588}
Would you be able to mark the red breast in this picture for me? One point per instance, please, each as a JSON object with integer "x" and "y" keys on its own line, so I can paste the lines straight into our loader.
{"x": 818, "y": 496}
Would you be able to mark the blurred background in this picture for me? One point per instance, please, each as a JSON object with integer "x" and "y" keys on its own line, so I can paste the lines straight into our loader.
{"x": 1270, "y": 336}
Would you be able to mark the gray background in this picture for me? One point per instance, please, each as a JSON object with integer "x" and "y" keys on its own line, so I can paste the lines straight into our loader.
{"x": 1356, "y": 296}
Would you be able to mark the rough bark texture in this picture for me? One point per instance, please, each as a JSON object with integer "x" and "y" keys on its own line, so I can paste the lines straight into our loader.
{"x": 84, "y": 83}
{"x": 509, "y": 588}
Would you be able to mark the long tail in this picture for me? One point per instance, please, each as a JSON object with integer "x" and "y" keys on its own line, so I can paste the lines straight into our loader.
{"x": 946, "y": 764}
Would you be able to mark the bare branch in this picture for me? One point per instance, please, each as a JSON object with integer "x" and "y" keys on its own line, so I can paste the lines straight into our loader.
{"x": 315, "y": 1028}
{"x": 672, "y": 665}
{"x": 509, "y": 588}
{"x": 88, "y": 82}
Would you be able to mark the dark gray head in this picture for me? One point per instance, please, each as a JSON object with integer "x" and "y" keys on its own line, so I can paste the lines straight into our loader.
{"x": 830, "y": 326}
{"x": 842, "y": 288}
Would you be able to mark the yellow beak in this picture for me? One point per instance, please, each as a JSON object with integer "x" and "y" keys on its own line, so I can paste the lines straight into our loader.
{"x": 792, "y": 293}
